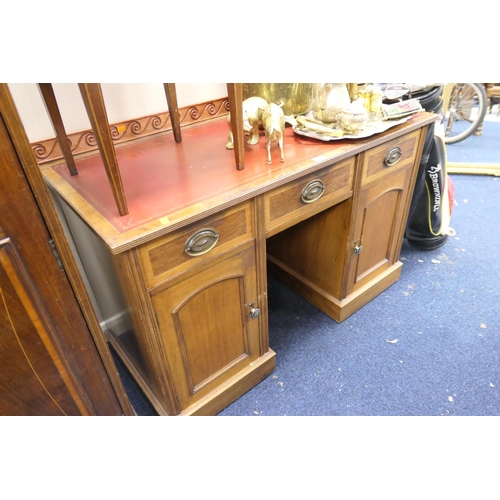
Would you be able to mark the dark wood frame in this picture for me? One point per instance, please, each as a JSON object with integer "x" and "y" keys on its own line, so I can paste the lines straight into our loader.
{"x": 34, "y": 177}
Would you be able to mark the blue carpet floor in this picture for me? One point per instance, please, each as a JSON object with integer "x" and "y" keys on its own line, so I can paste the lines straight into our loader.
{"x": 429, "y": 345}
{"x": 478, "y": 149}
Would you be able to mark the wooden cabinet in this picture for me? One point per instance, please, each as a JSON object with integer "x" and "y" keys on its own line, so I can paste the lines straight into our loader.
{"x": 346, "y": 255}
{"x": 192, "y": 255}
{"x": 209, "y": 326}
{"x": 381, "y": 209}
{"x": 199, "y": 288}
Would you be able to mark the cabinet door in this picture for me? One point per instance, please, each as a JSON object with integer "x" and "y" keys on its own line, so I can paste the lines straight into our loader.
{"x": 206, "y": 327}
{"x": 379, "y": 227}
{"x": 49, "y": 364}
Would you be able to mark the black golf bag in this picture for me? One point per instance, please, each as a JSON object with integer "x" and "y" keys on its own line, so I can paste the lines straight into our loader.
{"x": 427, "y": 227}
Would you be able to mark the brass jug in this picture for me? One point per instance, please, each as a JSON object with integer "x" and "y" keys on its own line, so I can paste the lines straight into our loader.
{"x": 297, "y": 98}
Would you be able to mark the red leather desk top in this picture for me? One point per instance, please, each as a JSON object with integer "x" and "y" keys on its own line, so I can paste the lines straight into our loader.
{"x": 161, "y": 176}
{"x": 165, "y": 180}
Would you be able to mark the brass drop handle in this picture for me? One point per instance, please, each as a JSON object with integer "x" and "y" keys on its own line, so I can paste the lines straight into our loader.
{"x": 201, "y": 242}
{"x": 393, "y": 156}
{"x": 254, "y": 311}
{"x": 313, "y": 191}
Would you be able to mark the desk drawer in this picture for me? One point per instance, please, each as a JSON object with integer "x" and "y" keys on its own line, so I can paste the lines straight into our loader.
{"x": 304, "y": 197}
{"x": 390, "y": 156}
{"x": 173, "y": 253}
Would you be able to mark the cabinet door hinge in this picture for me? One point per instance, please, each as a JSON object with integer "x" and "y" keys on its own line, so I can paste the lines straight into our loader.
{"x": 56, "y": 254}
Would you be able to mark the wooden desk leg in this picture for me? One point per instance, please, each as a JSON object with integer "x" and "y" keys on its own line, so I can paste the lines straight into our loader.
{"x": 235, "y": 98}
{"x": 96, "y": 110}
{"x": 49, "y": 99}
{"x": 173, "y": 110}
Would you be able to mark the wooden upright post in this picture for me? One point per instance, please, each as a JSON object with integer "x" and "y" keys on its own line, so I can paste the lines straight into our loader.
{"x": 49, "y": 99}
{"x": 96, "y": 110}
{"x": 173, "y": 110}
{"x": 235, "y": 98}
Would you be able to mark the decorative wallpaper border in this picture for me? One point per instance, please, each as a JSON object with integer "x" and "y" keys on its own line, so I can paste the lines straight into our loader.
{"x": 84, "y": 141}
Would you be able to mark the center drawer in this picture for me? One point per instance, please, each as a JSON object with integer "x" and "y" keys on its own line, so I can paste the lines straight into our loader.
{"x": 297, "y": 200}
{"x": 202, "y": 240}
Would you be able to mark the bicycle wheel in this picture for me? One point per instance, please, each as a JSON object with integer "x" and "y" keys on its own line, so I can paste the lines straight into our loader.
{"x": 466, "y": 111}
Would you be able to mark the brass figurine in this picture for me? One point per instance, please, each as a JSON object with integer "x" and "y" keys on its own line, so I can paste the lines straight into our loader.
{"x": 253, "y": 109}
{"x": 330, "y": 99}
{"x": 274, "y": 126}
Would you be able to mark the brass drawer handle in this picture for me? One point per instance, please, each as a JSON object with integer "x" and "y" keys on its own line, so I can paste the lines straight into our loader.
{"x": 393, "y": 156}
{"x": 313, "y": 191}
{"x": 201, "y": 242}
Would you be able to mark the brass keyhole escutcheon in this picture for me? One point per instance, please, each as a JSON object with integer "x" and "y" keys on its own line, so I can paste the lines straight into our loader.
{"x": 254, "y": 311}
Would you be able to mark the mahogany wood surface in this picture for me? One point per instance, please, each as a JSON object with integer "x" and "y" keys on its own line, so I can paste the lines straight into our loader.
{"x": 35, "y": 378}
{"x": 29, "y": 219}
{"x": 46, "y": 346}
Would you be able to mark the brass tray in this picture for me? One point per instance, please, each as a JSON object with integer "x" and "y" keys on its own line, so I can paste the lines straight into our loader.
{"x": 371, "y": 128}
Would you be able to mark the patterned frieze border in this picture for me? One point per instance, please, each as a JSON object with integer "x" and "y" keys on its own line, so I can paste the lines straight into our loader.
{"x": 84, "y": 142}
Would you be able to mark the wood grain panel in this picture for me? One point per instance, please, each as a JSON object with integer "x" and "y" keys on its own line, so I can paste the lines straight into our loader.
{"x": 26, "y": 214}
{"x": 33, "y": 379}
{"x": 316, "y": 248}
{"x": 379, "y": 224}
{"x": 205, "y": 328}
{"x": 230, "y": 348}
{"x": 385, "y": 208}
